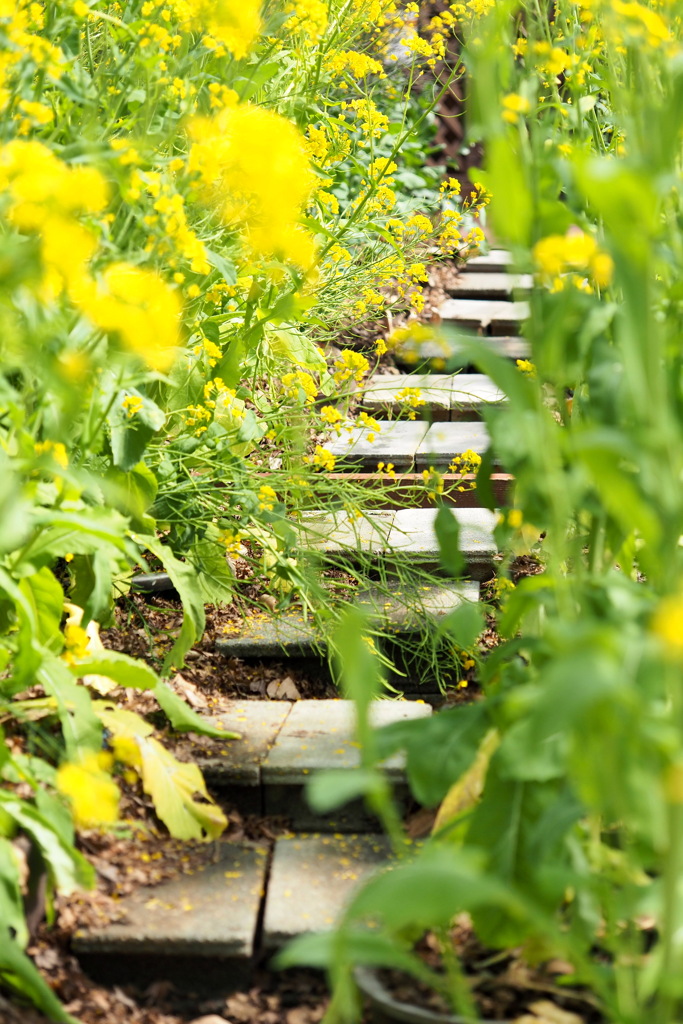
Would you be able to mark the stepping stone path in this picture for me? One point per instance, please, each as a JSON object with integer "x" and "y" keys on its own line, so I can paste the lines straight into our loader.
{"x": 253, "y": 897}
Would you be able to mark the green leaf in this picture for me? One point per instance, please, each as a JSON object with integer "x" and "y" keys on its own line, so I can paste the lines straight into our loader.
{"x": 225, "y": 268}
{"x": 184, "y": 580}
{"x": 464, "y": 624}
{"x": 174, "y": 787}
{"x": 123, "y": 669}
{"x": 20, "y": 974}
{"x": 47, "y": 600}
{"x": 296, "y": 348}
{"x": 327, "y": 790}
{"x": 447, "y": 531}
{"x": 438, "y": 749}
{"x": 11, "y": 903}
{"x": 80, "y": 727}
{"x": 131, "y": 435}
{"x": 183, "y": 718}
{"x": 68, "y": 869}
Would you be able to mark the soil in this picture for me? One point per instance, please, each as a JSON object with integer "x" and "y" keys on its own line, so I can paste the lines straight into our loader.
{"x": 504, "y": 986}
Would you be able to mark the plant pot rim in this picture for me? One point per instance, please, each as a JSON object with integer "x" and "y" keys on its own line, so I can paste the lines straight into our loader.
{"x": 379, "y": 996}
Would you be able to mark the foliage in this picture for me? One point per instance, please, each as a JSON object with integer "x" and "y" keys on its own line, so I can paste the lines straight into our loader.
{"x": 195, "y": 196}
{"x": 561, "y": 825}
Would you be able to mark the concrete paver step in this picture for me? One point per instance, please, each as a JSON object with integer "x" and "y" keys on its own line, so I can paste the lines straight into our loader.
{"x": 494, "y": 261}
{"x": 312, "y": 880}
{"x": 404, "y": 611}
{"x": 212, "y": 912}
{"x": 399, "y": 533}
{"x": 408, "y": 444}
{"x": 437, "y": 355}
{"x": 458, "y": 395}
{"x": 486, "y": 316}
{"x": 319, "y": 735}
{"x": 444, "y": 441}
{"x": 489, "y": 285}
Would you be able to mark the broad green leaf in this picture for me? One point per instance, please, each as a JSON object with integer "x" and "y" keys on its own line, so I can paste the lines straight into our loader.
{"x": 123, "y": 669}
{"x": 214, "y": 577}
{"x": 447, "y": 531}
{"x": 296, "y": 348}
{"x": 329, "y": 789}
{"x": 23, "y": 977}
{"x": 68, "y": 869}
{"x": 464, "y": 623}
{"x": 80, "y": 727}
{"x": 464, "y": 794}
{"x": 47, "y": 600}
{"x": 174, "y": 788}
{"x": 130, "y": 435}
{"x": 183, "y": 718}
{"x": 438, "y": 749}
{"x": 11, "y": 903}
{"x": 184, "y": 580}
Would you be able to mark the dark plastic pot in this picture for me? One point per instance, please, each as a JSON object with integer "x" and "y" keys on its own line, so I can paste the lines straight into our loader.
{"x": 152, "y": 583}
{"x": 386, "y": 1008}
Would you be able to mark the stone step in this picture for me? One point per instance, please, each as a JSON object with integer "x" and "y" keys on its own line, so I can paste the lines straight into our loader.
{"x": 207, "y": 930}
{"x": 403, "y": 611}
{"x": 313, "y": 878}
{"x": 390, "y": 535}
{"x": 484, "y": 316}
{"x": 212, "y": 913}
{"x": 489, "y": 285}
{"x": 441, "y": 354}
{"x": 282, "y": 743}
{"x": 408, "y": 444}
{"x": 446, "y": 396}
{"x": 493, "y": 262}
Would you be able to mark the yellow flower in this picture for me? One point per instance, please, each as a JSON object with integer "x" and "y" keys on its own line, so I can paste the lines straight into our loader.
{"x": 252, "y": 163}
{"x": 267, "y": 498}
{"x": 93, "y": 794}
{"x": 298, "y": 382}
{"x": 350, "y": 365}
{"x": 667, "y": 625}
{"x": 526, "y": 367}
{"x": 513, "y": 106}
{"x": 138, "y": 307}
{"x": 132, "y": 404}
{"x": 322, "y": 459}
{"x": 410, "y": 399}
{"x": 54, "y": 448}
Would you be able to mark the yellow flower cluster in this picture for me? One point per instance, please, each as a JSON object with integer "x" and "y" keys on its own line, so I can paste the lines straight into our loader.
{"x": 558, "y": 255}
{"x": 300, "y": 384}
{"x": 350, "y": 366}
{"x": 358, "y": 65}
{"x": 309, "y": 18}
{"x": 252, "y": 164}
{"x": 90, "y": 789}
{"x": 410, "y": 399}
{"x": 322, "y": 459}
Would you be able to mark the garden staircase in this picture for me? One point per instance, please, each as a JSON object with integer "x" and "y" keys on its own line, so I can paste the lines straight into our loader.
{"x": 205, "y": 930}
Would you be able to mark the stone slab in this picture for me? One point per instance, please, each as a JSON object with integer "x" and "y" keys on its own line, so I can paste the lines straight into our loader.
{"x": 396, "y": 442}
{"x": 312, "y": 880}
{"x": 435, "y": 390}
{"x": 238, "y": 762}
{"x": 509, "y": 347}
{"x": 288, "y": 635}
{"x": 489, "y": 285}
{"x": 413, "y": 534}
{"x": 485, "y": 315}
{"x": 460, "y": 394}
{"x": 494, "y": 261}
{"x": 411, "y": 609}
{"x": 443, "y": 441}
{"x": 320, "y": 734}
{"x": 471, "y": 392}
{"x": 337, "y": 532}
{"x": 211, "y": 913}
